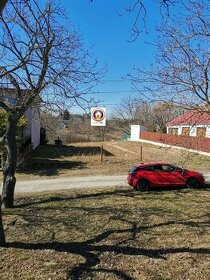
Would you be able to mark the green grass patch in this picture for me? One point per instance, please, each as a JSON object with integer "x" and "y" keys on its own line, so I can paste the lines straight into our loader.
{"x": 113, "y": 233}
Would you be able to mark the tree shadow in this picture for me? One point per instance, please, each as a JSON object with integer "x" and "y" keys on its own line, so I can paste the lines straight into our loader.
{"x": 52, "y": 152}
{"x": 130, "y": 192}
{"x": 60, "y": 197}
{"x": 161, "y": 189}
{"x": 48, "y": 167}
{"x": 91, "y": 252}
{"x": 48, "y": 160}
{"x": 93, "y": 248}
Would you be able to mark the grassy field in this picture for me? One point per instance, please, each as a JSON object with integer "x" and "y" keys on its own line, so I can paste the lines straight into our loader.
{"x": 108, "y": 234}
{"x": 114, "y": 233}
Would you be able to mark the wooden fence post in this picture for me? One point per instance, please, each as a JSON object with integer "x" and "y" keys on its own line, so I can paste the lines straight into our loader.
{"x": 102, "y": 151}
{"x": 141, "y": 153}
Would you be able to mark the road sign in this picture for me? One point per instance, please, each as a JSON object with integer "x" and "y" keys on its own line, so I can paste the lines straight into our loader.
{"x": 98, "y": 116}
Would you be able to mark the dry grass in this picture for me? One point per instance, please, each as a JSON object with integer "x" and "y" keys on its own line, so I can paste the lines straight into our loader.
{"x": 108, "y": 234}
{"x": 84, "y": 159}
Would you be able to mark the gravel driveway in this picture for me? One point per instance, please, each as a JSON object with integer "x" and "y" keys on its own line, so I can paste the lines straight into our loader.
{"x": 70, "y": 182}
{"x": 75, "y": 182}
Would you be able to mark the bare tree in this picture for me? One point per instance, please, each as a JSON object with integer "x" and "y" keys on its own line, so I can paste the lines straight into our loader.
{"x": 163, "y": 112}
{"x": 138, "y": 9}
{"x": 152, "y": 115}
{"x": 39, "y": 57}
{"x": 181, "y": 72}
{"x": 125, "y": 114}
{"x": 132, "y": 110}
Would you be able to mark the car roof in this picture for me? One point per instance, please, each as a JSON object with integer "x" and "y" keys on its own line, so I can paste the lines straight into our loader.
{"x": 152, "y": 163}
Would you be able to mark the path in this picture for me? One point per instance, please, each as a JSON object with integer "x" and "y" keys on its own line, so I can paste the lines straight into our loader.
{"x": 75, "y": 182}
{"x": 70, "y": 183}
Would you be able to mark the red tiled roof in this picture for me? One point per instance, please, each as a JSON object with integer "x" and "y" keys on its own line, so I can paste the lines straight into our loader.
{"x": 191, "y": 117}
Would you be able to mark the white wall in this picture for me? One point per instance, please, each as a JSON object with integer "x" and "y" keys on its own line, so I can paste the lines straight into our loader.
{"x": 208, "y": 131}
{"x": 33, "y": 126}
{"x": 27, "y": 130}
{"x": 135, "y": 132}
{"x": 193, "y": 129}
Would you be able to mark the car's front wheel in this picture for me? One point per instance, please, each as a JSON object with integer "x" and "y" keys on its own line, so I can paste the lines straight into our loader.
{"x": 143, "y": 185}
{"x": 192, "y": 182}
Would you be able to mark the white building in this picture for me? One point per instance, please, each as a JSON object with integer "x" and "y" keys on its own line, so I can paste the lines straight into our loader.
{"x": 191, "y": 123}
{"x": 135, "y": 132}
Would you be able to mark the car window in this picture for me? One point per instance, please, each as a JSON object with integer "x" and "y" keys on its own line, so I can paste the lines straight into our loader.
{"x": 158, "y": 167}
{"x": 148, "y": 168}
{"x": 134, "y": 169}
{"x": 168, "y": 167}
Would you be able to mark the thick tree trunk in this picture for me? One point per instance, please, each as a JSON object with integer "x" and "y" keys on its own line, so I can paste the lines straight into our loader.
{"x": 8, "y": 190}
{"x": 2, "y": 235}
{"x": 10, "y": 166}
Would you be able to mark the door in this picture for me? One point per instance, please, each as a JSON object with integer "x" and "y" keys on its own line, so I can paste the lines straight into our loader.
{"x": 174, "y": 175}
{"x": 160, "y": 177}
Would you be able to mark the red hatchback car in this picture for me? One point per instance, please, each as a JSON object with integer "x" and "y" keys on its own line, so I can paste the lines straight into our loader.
{"x": 157, "y": 174}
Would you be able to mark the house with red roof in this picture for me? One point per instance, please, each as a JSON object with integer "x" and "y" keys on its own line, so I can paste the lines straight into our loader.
{"x": 191, "y": 123}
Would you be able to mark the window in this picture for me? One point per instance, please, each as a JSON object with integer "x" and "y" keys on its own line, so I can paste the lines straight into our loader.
{"x": 186, "y": 131}
{"x": 148, "y": 168}
{"x": 134, "y": 169}
{"x": 173, "y": 131}
{"x": 169, "y": 167}
{"x": 201, "y": 132}
{"x": 158, "y": 168}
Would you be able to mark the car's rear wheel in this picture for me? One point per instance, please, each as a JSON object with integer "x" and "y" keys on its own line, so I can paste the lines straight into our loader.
{"x": 143, "y": 185}
{"x": 192, "y": 182}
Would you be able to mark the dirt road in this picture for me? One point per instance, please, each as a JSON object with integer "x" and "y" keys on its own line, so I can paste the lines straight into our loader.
{"x": 75, "y": 182}
{"x": 69, "y": 183}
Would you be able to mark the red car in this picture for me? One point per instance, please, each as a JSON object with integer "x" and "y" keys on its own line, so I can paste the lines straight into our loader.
{"x": 157, "y": 174}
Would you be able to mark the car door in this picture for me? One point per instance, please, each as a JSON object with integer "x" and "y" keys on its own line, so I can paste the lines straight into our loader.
{"x": 158, "y": 176}
{"x": 173, "y": 175}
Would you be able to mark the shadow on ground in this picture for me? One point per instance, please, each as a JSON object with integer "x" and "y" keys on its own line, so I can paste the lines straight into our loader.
{"x": 52, "y": 152}
{"x": 48, "y": 167}
{"x": 48, "y": 160}
{"x": 93, "y": 248}
{"x": 90, "y": 252}
{"x": 102, "y": 194}
{"x": 159, "y": 190}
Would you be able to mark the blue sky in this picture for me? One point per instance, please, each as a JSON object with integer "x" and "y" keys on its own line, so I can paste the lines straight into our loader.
{"x": 102, "y": 28}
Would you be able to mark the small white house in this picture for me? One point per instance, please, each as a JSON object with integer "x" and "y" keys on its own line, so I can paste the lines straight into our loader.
{"x": 191, "y": 123}
{"x": 135, "y": 132}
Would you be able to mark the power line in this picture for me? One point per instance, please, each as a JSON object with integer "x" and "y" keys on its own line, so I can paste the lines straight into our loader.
{"x": 114, "y": 81}
{"x": 116, "y": 91}
{"x": 108, "y": 104}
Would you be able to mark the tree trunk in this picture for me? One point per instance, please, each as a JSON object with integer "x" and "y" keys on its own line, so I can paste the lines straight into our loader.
{"x": 2, "y": 5}
{"x": 10, "y": 165}
{"x": 2, "y": 235}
